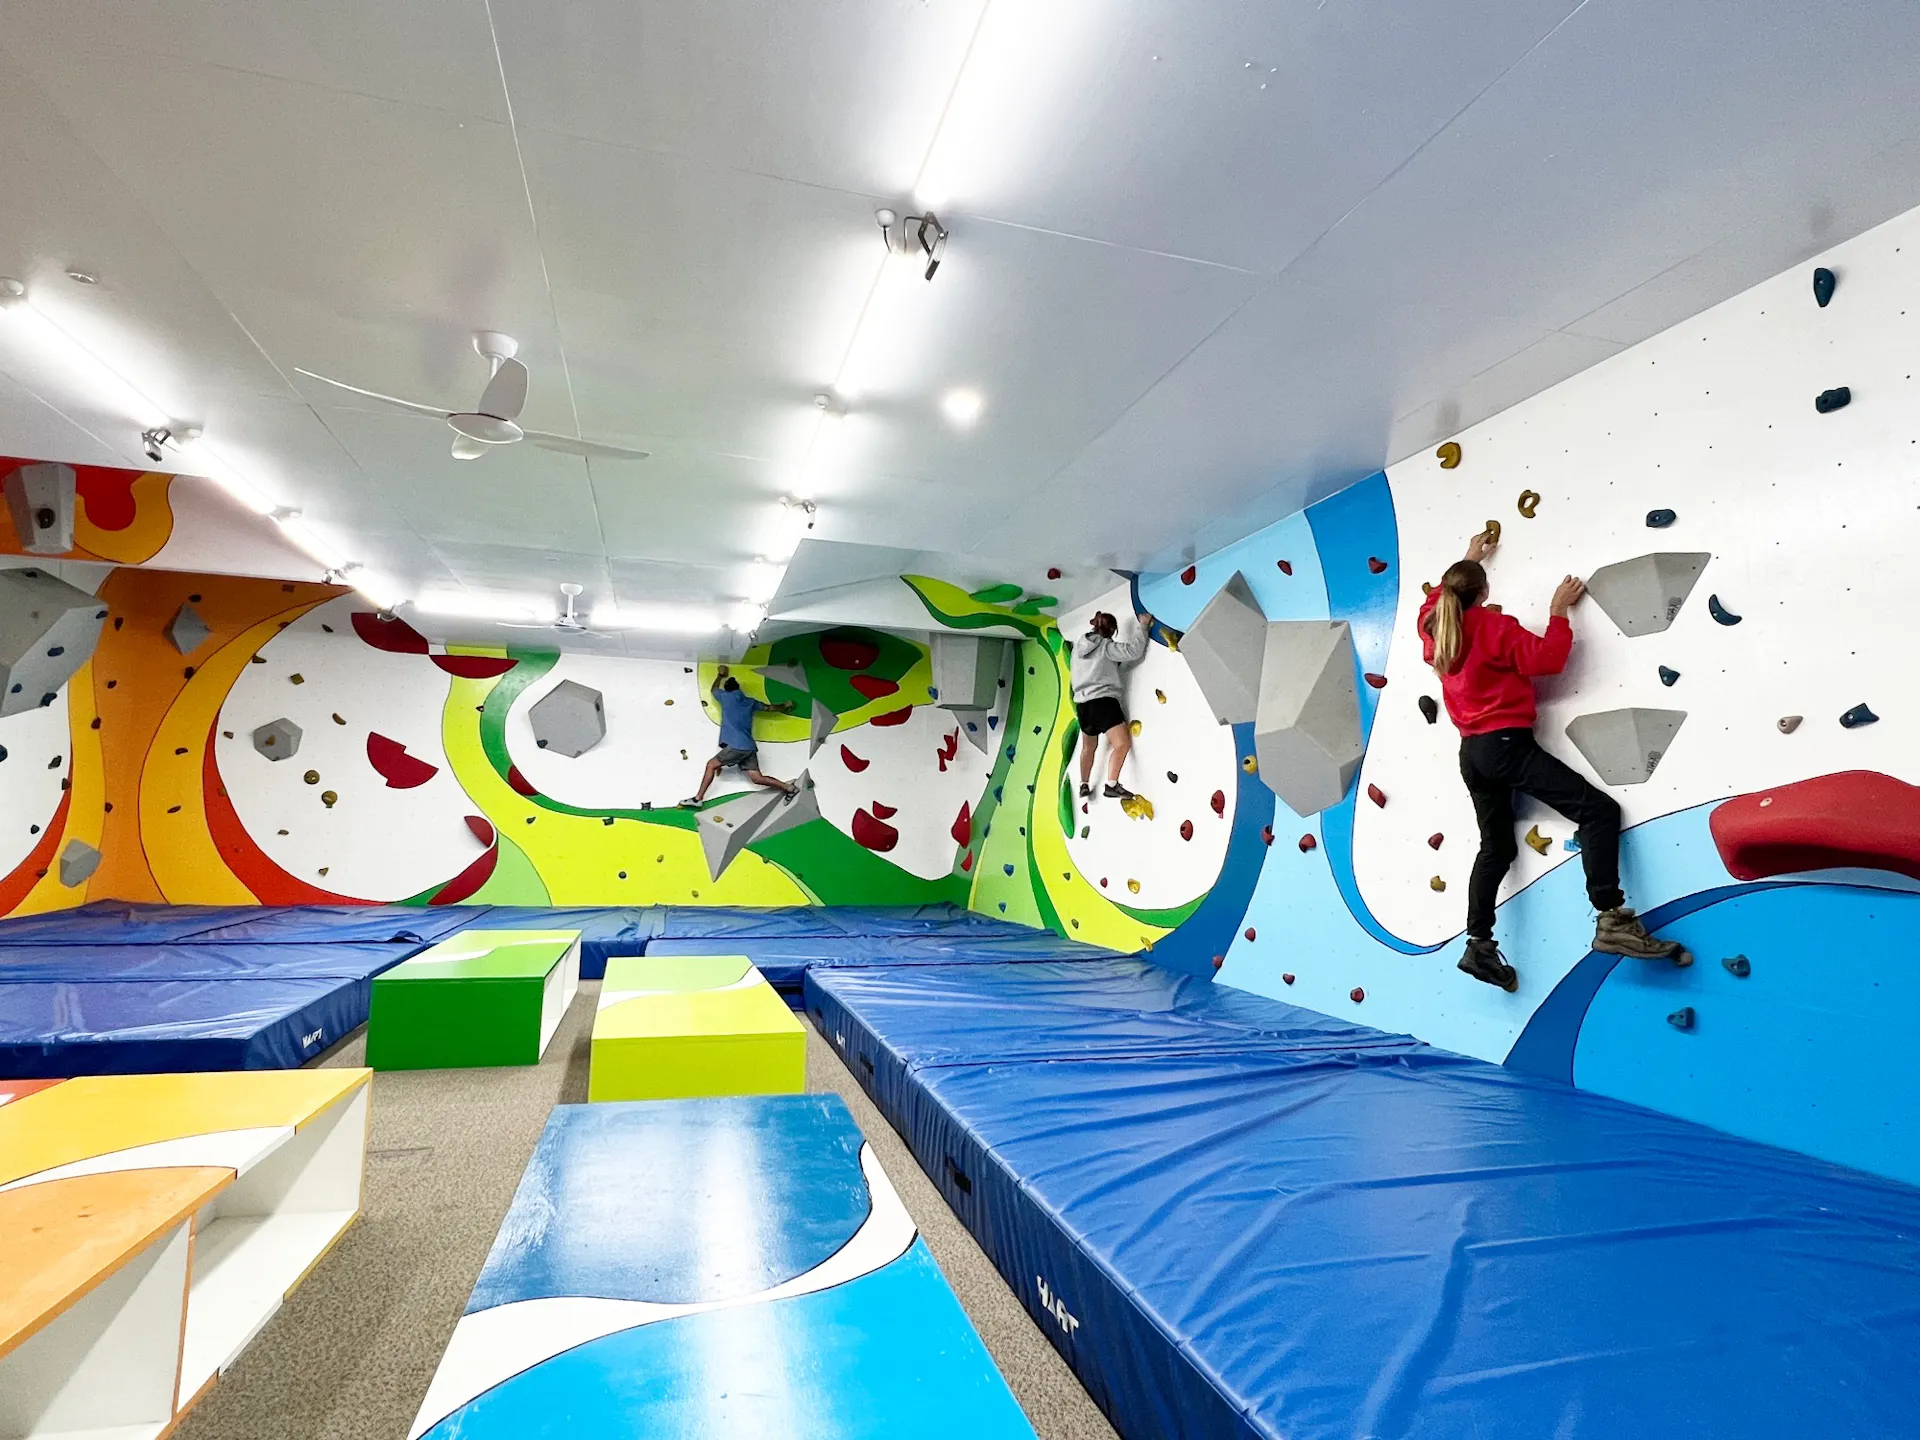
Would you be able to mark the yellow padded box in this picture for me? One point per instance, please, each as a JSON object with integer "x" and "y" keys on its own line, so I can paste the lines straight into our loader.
{"x": 680, "y": 1026}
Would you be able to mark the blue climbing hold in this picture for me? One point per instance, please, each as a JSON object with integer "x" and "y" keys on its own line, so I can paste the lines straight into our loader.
{"x": 933, "y": 692}
{"x": 1660, "y": 519}
{"x": 1667, "y": 677}
{"x": 1823, "y": 283}
{"x": 1003, "y": 907}
{"x": 1007, "y": 868}
{"x": 1681, "y": 1019}
{"x": 1858, "y": 716}
{"x": 1571, "y": 844}
{"x": 972, "y": 726}
{"x": 1009, "y": 752}
{"x": 1738, "y": 966}
{"x": 3, "y": 752}
{"x": 1828, "y": 401}
{"x": 996, "y": 792}
{"x": 1720, "y": 613}
{"x": 993, "y": 722}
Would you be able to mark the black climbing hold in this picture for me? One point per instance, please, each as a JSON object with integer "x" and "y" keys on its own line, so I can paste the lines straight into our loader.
{"x": 1681, "y": 1019}
{"x": 1667, "y": 677}
{"x": 3, "y": 752}
{"x": 1823, "y": 283}
{"x": 1828, "y": 401}
{"x": 1430, "y": 708}
{"x": 1660, "y": 519}
{"x": 1858, "y": 716}
{"x": 1720, "y": 613}
{"x": 1738, "y": 966}
{"x": 1172, "y": 779}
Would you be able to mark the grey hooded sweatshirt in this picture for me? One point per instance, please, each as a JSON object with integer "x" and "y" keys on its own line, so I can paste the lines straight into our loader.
{"x": 1097, "y": 661}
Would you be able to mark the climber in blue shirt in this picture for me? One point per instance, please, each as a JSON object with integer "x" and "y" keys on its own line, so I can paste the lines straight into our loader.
{"x": 738, "y": 750}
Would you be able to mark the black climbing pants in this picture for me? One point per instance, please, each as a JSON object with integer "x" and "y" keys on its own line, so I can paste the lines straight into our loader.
{"x": 1496, "y": 765}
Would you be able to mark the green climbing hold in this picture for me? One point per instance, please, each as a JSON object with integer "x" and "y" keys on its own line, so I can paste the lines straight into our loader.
{"x": 1034, "y": 604}
{"x": 997, "y": 594}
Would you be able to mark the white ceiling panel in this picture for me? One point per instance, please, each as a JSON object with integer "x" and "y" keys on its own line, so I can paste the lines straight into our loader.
{"x": 686, "y": 502}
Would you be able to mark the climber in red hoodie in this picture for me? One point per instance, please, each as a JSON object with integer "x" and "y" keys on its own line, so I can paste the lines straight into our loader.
{"x": 1486, "y": 661}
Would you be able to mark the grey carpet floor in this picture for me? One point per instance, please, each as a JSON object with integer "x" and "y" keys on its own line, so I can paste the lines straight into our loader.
{"x": 350, "y": 1355}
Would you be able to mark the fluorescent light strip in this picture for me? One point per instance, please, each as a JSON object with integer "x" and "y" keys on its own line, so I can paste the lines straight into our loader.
{"x": 120, "y": 393}
{"x": 467, "y": 605}
{"x": 294, "y": 526}
{"x": 661, "y": 619}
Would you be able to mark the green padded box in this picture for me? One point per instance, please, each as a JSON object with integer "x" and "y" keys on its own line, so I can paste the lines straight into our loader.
{"x": 481, "y": 997}
{"x": 680, "y": 1026}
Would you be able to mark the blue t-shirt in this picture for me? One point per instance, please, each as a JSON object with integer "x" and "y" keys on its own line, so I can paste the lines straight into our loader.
{"x": 736, "y": 718}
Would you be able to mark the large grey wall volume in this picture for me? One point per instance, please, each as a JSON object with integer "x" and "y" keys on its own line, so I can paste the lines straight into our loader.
{"x": 1225, "y": 648}
{"x": 732, "y": 824}
{"x": 966, "y": 670}
{"x": 48, "y": 629}
{"x": 1642, "y": 595}
{"x": 1306, "y": 733}
{"x": 569, "y": 719}
{"x": 41, "y": 500}
{"x": 1624, "y": 747}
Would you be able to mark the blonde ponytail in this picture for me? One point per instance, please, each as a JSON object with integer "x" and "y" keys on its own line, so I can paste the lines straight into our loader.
{"x": 1462, "y": 586}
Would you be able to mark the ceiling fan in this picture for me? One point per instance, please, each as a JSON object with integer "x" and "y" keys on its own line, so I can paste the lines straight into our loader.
{"x": 568, "y": 621}
{"x": 495, "y": 420}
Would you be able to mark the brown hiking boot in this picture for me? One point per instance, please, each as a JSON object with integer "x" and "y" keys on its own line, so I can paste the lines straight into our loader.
{"x": 1620, "y": 932}
{"x": 1484, "y": 962}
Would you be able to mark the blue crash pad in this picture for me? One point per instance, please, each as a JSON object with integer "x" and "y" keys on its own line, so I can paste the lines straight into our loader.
{"x": 131, "y": 1027}
{"x": 192, "y": 961}
{"x": 785, "y": 961}
{"x": 1314, "y": 1241}
{"x": 321, "y": 924}
{"x": 114, "y": 922}
{"x": 606, "y": 931}
{"x": 697, "y": 921}
{"x": 711, "y": 1204}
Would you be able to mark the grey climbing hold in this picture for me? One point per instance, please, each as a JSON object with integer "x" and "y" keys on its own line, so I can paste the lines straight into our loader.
{"x": 821, "y": 722}
{"x": 787, "y": 673}
{"x": 1660, "y": 519}
{"x": 1307, "y": 724}
{"x": 41, "y": 500}
{"x": 1624, "y": 747}
{"x": 569, "y": 719}
{"x": 1789, "y": 723}
{"x": 1642, "y": 595}
{"x": 1681, "y": 1019}
{"x": 1738, "y": 966}
{"x": 48, "y": 629}
{"x": 78, "y": 861}
{"x": 277, "y": 739}
{"x": 187, "y": 630}
{"x": 1721, "y": 615}
{"x": 1828, "y": 401}
{"x": 730, "y": 826}
{"x": 1430, "y": 708}
{"x": 1225, "y": 647}
{"x": 1668, "y": 676}
{"x": 966, "y": 670}
{"x": 1859, "y": 715}
{"x": 1823, "y": 283}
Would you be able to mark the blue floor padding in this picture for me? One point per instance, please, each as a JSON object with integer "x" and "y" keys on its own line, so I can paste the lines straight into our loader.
{"x": 93, "y": 964}
{"x": 629, "y": 1208}
{"x": 1323, "y": 1231}
{"x": 130, "y": 1027}
{"x": 113, "y": 922}
{"x": 785, "y": 961}
{"x": 318, "y": 924}
{"x": 701, "y": 921}
{"x": 606, "y": 931}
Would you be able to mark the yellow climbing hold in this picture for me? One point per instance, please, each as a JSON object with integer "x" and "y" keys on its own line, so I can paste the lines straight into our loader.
{"x": 1529, "y": 502}
{"x": 1133, "y": 728}
{"x": 1437, "y": 883}
{"x": 1449, "y": 455}
{"x": 1134, "y": 886}
{"x": 1250, "y": 764}
{"x": 1538, "y": 841}
{"x": 1161, "y": 696}
{"x": 1492, "y": 531}
{"x": 1137, "y": 807}
{"x": 669, "y": 700}
{"x": 329, "y": 798}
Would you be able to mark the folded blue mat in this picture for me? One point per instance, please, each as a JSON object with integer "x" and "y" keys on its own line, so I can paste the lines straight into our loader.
{"x": 606, "y": 931}
{"x": 92, "y": 964}
{"x": 321, "y": 924}
{"x": 696, "y": 921}
{"x": 785, "y": 960}
{"x": 115, "y": 922}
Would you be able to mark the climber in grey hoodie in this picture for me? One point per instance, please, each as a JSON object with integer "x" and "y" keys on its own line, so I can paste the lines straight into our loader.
{"x": 1097, "y": 687}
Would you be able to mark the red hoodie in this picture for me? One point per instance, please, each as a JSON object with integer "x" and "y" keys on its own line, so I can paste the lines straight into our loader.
{"x": 1490, "y": 690}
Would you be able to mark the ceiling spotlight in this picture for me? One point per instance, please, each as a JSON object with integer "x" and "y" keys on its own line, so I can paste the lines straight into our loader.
{"x": 12, "y": 292}
{"x": 152, "y": 441}
{"x": 963, "y": 407}
{"x": 82, "y": 277}
{"x": 921, "y": 235}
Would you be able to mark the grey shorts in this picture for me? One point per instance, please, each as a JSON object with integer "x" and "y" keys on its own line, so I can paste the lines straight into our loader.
{"x": 732, "y": 759}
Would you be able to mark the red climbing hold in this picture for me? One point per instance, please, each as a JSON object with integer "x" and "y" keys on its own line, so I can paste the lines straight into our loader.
{"x": 1053, "y": 572}
{"x": 1356, "y": 994}
{"x": 1186, "y": 829}
{"x": 893, "y": 717}
{"x": 1287, "y": 979}
{"x": 962, "y": 831}
{"x": 1266, "y": 834}
{"x": 1376, "y": 565}
{"x": 1249, "y": 932}
{"x": 1219, "y": 802}
{"x": 1218, "y": 961}
{"x": 1857, "y": 818}
{"x": 1188, "y": 575}
{"x": 883, "y": 812}
{"x": 1378, "y": 682}
{"x": 875, "y": 834}
{"x": 852, "y": 761}
{"x": 966, "y": 862}
{"x": 1434, "y": 840}
{"x": 872, "y": 687}
{"x": 394, "y": 765}
{"x": 1377, "y": 795}
{"x": 1286, "y": 566}
{"x": 1307, "y": 842}
{"x": 949, "y": 750}
{"x": 1103, "y": 882}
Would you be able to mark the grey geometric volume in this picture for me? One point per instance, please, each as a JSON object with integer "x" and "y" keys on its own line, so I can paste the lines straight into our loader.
{"x": 728, "y": 827}
{"x": 966, "y": 670}
{"x": 569, "y": 719}
{"x": 979, "y": 734}
{"x": 823, "y": 720}
{"x": 1307, "y": 726}
{"x": 277, "y": 739}
{"x": 1624, "y": 747}
{"x": 787, "y": 673}
{"x": 1225, "y": 647}
{"x": 78, "y": 861}
{"x": 1642, "y": 595}
{"x": 187, "y": 630}
{"x": 48, "y": 629}
{"x": 41, "y": 500}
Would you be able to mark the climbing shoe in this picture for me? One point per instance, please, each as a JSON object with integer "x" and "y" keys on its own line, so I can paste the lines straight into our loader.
{"x": 690, "y": 803}
{"x": 1484, "y": 962}
{"x": 1086, "y": 791}
{"x": 1619, "y": 932}
{"x": 1117, "y": 792}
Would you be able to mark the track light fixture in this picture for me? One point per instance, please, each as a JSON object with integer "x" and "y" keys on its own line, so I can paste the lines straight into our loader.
{"x": 923, "y": 234}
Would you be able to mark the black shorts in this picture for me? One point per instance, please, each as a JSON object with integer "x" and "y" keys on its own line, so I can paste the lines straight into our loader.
{"x": 1100, "y": 715}
{"x": 732, "y": 759}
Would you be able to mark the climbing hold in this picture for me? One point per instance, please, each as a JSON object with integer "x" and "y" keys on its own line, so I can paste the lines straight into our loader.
{"x": 1249, "y": 932}
{"x": 1738, "y": 966}
{"x": 1529, "y": 502}
{"x": 1187, "y": 575}
{"x": 1250, "y": 764}
{"x": 1720, "y": 614}
{"x": 1430, "y": 708}
{"x": 1161, "y": 696}
{"x": 1133, "y": 728}
{"x": 1823, "y": 283}
{"x": 297, "y": 679}
{"x": 1789, "y": 723}
{"x": 1436, "y": 840}
{"x": 1492, "y": 531}
{"x": 1307, "y": 842}
{"x": 1218, "y": 961}
{"x": 1286, "y": 566}
{"x": 1219, "y": 802}
{"x": 1572, "y": 843}
{"x": 1449, "y": 455}
{"x": 1426, "y": 587}
{"x": 312, "y": 777}
{"x": 328, "y": 798}
{"x": 1134, "y": 886}
{"x": 1377, "y": 795}
{"x": 1085, "y": 831}
{"x": 1660, "y": 519}
{"x": 1856, "y": 717}
{"x": 1286, "y": 979}
{"x": 1668, "y": 676}
{"x": 1186, "y": 829}
{"x": 1266, "y": 833}
{"x": 1376, "y": 565}
{"x": 1137, "y": 807}
{"x": 1539, "y": 842}
{"x": 1007, "y": 868}
{"x": 1172, "y": 779}
{"x": 1378, "y": 682}
{"x": 1356, "y": 994}
{"x": 1053, "y": 572}
{"x": 1828, "y": 401}
{"x": 1681, "y": 1019}
{"x": 1103, "y": 882}
{"x": 1436, "y": 883}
